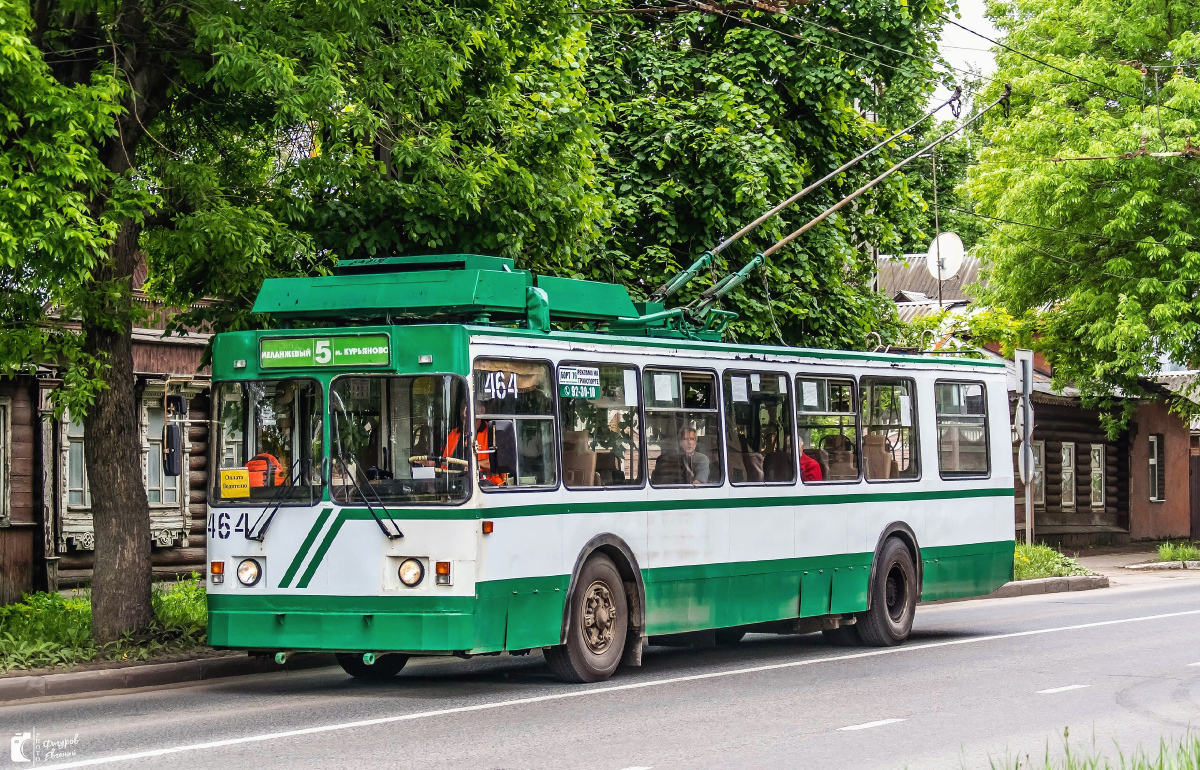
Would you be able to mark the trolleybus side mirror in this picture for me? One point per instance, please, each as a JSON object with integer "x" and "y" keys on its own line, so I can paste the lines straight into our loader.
{"x": 504, "y": 458}
{"x": 172, "y": 444}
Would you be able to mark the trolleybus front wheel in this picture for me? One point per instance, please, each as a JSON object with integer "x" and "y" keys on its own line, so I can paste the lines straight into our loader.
{"x": 597, "y": 620}
{"x": 893, "y": 598}
{"x": 384, "y": 667}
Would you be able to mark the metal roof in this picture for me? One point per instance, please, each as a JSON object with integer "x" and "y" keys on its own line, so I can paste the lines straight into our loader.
{"x": 907, "y": 273}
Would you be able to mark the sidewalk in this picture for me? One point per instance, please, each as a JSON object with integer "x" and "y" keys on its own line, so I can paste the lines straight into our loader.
{"x": 1112, "y": 565}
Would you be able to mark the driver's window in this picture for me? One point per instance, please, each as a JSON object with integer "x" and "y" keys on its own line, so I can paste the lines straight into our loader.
{"x": 889, "y": 443}
{"x": 400, "y": 439}
{"x": 514, "y": 412}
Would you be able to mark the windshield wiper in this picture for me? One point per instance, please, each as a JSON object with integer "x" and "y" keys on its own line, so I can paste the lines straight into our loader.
{"x": 276, "y": 500}
{"x": 353, "y": 480}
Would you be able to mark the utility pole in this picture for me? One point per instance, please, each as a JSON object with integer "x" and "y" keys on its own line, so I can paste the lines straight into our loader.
{"x": 1024, "y": 361}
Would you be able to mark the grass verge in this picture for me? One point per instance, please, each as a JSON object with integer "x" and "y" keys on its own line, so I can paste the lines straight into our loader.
{"x": 47, "y": 630}
{"x": 1042, "y": 561}
{"x": 1178, "y": 552}
{"x": 1180, "y": 754}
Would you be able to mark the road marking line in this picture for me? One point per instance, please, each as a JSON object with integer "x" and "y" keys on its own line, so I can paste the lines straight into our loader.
{"x": 869, "y": 725}
{"x": 582, "y": 693}
{"x": 1194, "y": 664}
{"x": 1053, "y": 690}
{"x": 639, "y": 768}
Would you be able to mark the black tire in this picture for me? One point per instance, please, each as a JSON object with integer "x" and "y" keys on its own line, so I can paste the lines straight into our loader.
{"x": 597, "y": 620}
{"x": 893, "y": 598}
{"x": 729, "y": 635}
{"x": 842, "y": 636}
{"x": 385, "y": 666}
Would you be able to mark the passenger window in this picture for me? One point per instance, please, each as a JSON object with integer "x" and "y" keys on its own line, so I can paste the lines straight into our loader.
{"x": 683, "y": 440}
{"x": 827, "y": 429}
{"x": 758, "y": 428}
{"x": 601, "y": 439}
{"x": 889, "y": 444}
{"x": 514, "y": 408}
{"x": 962, "y": 428}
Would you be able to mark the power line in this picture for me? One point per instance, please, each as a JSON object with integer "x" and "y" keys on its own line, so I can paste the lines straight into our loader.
{"x": 854, "y": 195}
{"x": 808, "y": 41}
{"x": 1048, "y": 64}
{"x": 1090, "y": 236}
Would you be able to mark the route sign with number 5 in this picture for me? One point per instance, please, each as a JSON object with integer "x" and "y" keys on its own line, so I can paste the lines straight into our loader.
{"x": 293, "y": 352}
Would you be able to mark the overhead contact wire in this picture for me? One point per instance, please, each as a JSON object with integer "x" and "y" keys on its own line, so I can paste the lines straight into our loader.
{"x": 854, "y": 195}
{"x": 954, "y": 98}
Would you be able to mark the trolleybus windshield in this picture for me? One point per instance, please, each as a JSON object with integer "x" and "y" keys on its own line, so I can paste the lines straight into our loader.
{"x": 269, "y": 441}
{"x": 400, "y": 439}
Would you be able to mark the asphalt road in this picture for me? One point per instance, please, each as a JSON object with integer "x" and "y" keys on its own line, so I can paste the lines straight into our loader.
{"x": 979, "y": 682}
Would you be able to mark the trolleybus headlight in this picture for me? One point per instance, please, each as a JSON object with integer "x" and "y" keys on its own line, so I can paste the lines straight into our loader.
{"x": 411, "y": 572}
{"x": 249, "y": 572}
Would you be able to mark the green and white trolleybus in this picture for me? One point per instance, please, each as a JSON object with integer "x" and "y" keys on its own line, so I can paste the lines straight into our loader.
{"x": 448, "y": 456}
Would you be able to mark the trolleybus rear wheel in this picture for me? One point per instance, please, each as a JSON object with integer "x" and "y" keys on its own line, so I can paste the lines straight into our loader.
{"x": 893, "y": 598}
{"x": 597, "y": 620}
{"x": 385, "y": 666}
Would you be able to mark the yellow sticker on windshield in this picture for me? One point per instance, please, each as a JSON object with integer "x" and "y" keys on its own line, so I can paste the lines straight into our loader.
{"x": 235, "y": 482}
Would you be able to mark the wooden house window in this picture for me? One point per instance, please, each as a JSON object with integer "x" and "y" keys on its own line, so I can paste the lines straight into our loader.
{"x": 78, "y": 494}
{"x": 1097, "y": 481}
{"x": 1068, "y": 475}
{"x": 160, "y": 488}
{"x": 1158, "y": 486}
{"x": 5, "y": 462}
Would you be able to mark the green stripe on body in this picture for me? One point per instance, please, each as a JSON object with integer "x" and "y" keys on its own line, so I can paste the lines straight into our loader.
{"x": 699, "y": 503}
{"x": 302, "y": 551}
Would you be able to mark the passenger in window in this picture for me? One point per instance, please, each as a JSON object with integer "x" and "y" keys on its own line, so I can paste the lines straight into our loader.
{"x": 810, "y": 467}
{"x": 683, "y": 466}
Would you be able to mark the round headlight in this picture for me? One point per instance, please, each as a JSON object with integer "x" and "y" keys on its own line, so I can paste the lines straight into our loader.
{"x": 249, "y": 572}
{"x": 411, "y": 572}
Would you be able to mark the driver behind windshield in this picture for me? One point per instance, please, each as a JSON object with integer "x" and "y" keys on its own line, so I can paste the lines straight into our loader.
{"x": 455, "y": 447}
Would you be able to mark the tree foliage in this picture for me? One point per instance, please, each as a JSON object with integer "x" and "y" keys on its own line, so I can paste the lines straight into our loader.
{"x": 716, "y": 118}
{"x": 1110, "y": 286}
{"x": 228, "y": 143}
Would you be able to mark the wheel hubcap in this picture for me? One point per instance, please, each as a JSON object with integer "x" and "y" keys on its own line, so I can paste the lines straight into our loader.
{"x": 599, "y": 617}
{"x": 896, "y": 593}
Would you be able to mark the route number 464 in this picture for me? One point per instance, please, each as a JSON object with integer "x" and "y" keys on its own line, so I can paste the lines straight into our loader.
{"x": 218, "y": 525}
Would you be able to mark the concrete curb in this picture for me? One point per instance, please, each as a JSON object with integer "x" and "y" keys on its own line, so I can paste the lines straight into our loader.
{"x": 1051, "y": 585}
{"x": 18, "y": 688}
{"x": 1154, "y": 566}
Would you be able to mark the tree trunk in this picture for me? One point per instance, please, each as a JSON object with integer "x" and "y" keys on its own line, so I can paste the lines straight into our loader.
{"x": 113, "y": 453}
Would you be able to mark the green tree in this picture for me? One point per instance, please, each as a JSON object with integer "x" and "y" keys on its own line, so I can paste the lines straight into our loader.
{"x": 715, "y": 118}
{"x": 1110, "y": 285}
{"x": 233, "y": 142}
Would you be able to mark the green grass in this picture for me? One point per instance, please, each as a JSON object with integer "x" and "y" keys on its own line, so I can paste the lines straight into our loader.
{"x": 45, "y": 630}
{"x": 1180, "y": 754}
{"x": 1042, "y": 561}
{"x": 1178, "y": 552}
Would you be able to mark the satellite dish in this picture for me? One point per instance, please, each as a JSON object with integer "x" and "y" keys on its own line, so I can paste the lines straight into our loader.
{"x": 948, "y": 248}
